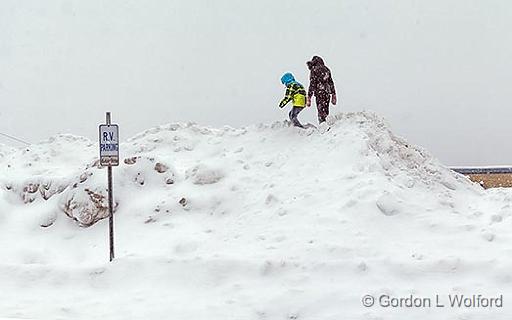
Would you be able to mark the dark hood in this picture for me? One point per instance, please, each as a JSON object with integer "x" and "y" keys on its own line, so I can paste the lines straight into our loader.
{"x": 315, "y": 61}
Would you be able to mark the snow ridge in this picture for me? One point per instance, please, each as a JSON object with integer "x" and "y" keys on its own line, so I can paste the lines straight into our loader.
{"x": 263, "y": 222}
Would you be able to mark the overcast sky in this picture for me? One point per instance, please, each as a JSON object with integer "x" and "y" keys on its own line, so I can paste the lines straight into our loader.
{"x": 440, "y": 71}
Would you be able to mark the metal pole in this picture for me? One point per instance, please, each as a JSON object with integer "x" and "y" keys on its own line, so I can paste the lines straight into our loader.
{"x": 110, "y": 204}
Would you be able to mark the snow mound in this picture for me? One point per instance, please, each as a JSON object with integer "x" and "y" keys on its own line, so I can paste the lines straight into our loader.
{"x": 202, "y": 174}
{"x": 263, "y": 222}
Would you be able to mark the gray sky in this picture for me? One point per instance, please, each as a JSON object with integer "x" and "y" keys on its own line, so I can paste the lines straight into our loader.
{"x": 440, "y": 71}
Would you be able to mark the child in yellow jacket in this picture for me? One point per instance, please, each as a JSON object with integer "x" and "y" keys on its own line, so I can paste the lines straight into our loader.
{"x": 296, "y": 92}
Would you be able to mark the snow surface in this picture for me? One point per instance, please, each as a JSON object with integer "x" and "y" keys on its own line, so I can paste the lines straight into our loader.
{"x": 262, "y": 222}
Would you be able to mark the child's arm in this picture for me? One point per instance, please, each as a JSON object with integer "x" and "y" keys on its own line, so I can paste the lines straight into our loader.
{"x": 287, "y": 97}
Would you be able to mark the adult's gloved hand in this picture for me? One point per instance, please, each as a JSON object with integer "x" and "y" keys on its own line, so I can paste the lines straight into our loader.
{"x": 308, "y": 101}
{"x": 333, "y": 99}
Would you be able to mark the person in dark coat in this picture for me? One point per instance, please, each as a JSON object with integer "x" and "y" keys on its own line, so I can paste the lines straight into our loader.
{"x": 321, "y": 86}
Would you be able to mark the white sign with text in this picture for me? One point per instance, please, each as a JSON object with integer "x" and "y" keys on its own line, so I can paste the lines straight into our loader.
{"x": 109, "y": 145}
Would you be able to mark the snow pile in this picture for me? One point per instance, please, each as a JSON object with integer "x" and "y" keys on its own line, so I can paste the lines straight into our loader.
{"x": 263, "y": 222}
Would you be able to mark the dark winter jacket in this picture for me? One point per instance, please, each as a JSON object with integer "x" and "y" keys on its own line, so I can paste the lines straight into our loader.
{"x": 320, "y": 80}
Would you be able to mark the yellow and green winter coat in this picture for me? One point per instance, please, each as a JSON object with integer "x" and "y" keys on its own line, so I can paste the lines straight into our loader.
{"x": 294, "y": 92}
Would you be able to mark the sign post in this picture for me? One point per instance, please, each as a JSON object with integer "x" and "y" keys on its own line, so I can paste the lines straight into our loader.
{"x": 109, "y": 157}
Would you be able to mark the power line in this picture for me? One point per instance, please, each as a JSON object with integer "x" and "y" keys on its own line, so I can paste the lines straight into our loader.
{"x": 14, "y": 138}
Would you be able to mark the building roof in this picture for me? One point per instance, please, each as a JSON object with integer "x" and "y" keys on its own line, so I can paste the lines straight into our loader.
{"x": 482, "y": 170}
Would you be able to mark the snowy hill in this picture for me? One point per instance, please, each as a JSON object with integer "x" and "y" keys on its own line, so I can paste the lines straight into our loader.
{"x": 263, "y": 222}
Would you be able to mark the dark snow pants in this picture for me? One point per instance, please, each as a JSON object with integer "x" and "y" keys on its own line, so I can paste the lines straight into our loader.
{"x": 322, "y": 105}
{"x": 293, "y": 116}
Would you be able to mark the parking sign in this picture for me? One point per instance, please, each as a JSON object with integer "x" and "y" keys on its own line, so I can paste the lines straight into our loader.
{"x": 109, "y": 145}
